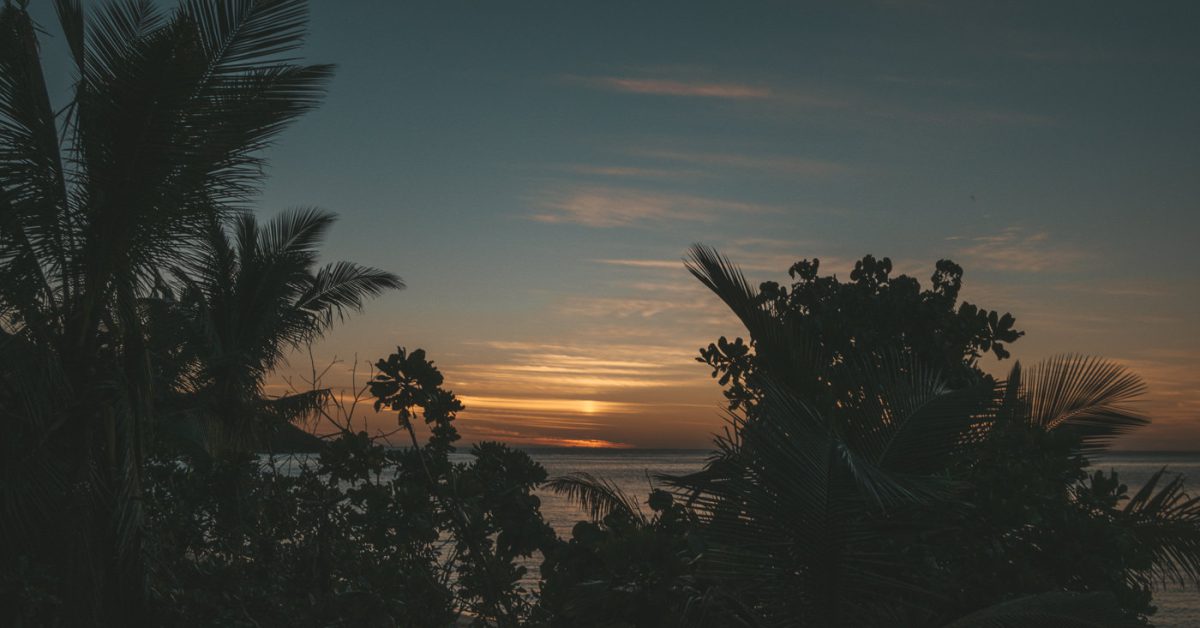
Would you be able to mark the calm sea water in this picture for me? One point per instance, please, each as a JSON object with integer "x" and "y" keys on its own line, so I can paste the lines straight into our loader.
{"x": 633, "y": 471}
{"x": 1177, "y": 606}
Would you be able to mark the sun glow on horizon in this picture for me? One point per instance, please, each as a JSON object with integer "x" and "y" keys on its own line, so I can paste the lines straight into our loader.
{"x": 566, "y": 406}
{"x": 586, "y": 443}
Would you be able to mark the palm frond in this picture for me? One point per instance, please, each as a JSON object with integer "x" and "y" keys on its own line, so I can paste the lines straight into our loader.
{"x": 1165, "y": 521}
{"x": 33, "y": 192}
{"x": 904, "y": 417}
{"x": 1085, "y": 395}
{"x": 598, "y": 497}
{"x": 189, "y": 129}
{"x": 238, "y": 120}
{"x": 788, "y": 356}
{"x": 295, "y": 233}
{"x": 785, "y": 509}
{"x": 341, "y": 287}
{"x": 295, "y": 408}
{"x": 113, "y": 38}
{"x": 70, "y": 19}
{"x": 238, "y": 35}
{"x": 726, "y": 280}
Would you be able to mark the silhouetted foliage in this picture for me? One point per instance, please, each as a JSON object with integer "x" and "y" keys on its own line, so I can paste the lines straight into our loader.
{"x": 871, "y": 488}
{"x": 869, "y": 318}
{"x": 871, "y": 473}
{"x": 621, "y": 568}
{"x": 362, "y": 534}
{"x": 158, "y": 147}
{"x": 239, "y": 308}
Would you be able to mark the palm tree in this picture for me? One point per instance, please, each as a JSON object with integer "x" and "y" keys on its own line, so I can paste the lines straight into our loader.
{"x": 160, "y": 138}
{"x": 809, "y": 503}
{"x": 243, "y": 305}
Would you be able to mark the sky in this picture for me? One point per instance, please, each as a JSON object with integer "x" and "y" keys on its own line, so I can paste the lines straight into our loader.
{"x": 536, "y": 170}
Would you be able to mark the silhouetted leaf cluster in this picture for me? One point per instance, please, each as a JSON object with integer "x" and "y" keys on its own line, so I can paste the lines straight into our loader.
{"x": 362, "y": 534}
{"x": 871, "y": 475}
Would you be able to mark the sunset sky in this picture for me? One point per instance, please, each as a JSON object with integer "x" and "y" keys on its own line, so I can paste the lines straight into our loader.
{"x": 535, "y": 171}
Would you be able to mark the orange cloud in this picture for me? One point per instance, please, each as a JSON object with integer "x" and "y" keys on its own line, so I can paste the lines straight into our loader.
{"x": 770, "y": 163}
{"x": 644, "y": 263}
{"x": 618, "y": 207}
{"x": 562, "y": 377}
{"x": 666, "y": 87}
{"x": 1014, "y": 250}
{"x": 577, "y": 442}
{"x": 537, "y": 406}
{"x": 632, "y": 172}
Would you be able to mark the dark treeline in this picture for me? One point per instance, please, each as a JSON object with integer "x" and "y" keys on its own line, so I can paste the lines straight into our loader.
{"x": 870, "y": 475}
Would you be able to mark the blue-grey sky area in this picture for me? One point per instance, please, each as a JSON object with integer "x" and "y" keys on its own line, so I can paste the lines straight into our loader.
{"x": 535, "y": 171}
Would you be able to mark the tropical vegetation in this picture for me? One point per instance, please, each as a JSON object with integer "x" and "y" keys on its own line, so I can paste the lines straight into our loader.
{"x": 871, "y": 472}
{"x": 858, "y": 485}
{"x": 110, "y": 204}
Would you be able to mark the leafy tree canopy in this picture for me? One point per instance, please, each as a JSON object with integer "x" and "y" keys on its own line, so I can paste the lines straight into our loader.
{"x": 868, "y": 318}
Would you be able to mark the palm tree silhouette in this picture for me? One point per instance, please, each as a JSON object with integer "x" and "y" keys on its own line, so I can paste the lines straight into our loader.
{"x": 161, "y": 138}
{"x": 243, "y": 304}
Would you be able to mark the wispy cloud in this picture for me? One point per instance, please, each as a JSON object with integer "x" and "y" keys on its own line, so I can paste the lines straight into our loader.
{"x": 644, "y": 263}
{"x": 778, "y": 164}
{"x": 573, "y": 373}
{"x": 670, "y": 87}
{"x": 624, "y": 307}
{"x": 1110, "y": 287}
{"x": 548, "y": 393}
{"x": 762, "y": 255}
{"x": 1015, "y": 250}
{"x": 696, "y": 83}
{"x": 634, "y": 172}
{"x": 791, "y": 99}
{"x": 621, "y": 207}
{"x": 532, "y": 405}
{"x": 595, "y": 443}
{"x": 1174, "y": 392}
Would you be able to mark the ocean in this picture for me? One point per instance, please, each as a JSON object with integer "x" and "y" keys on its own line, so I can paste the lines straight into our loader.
{"x": 633, "y": 471}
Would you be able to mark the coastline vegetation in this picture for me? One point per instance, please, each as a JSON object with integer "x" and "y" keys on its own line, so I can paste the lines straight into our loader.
{"x": 870, "y": 475}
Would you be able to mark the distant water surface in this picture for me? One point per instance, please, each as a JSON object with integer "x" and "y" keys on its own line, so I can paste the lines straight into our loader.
{"x": 631, "y": 469}
{"x": 1177, "y": 606}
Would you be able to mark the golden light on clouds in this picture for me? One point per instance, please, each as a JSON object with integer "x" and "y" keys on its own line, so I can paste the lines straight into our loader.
{"x": 595, "y": 443}
{"x": 668, "y": 87}
{"x": 1014, "y": 250}
{"x": 616, "y": 363}
{"x": 545, "y": 406}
